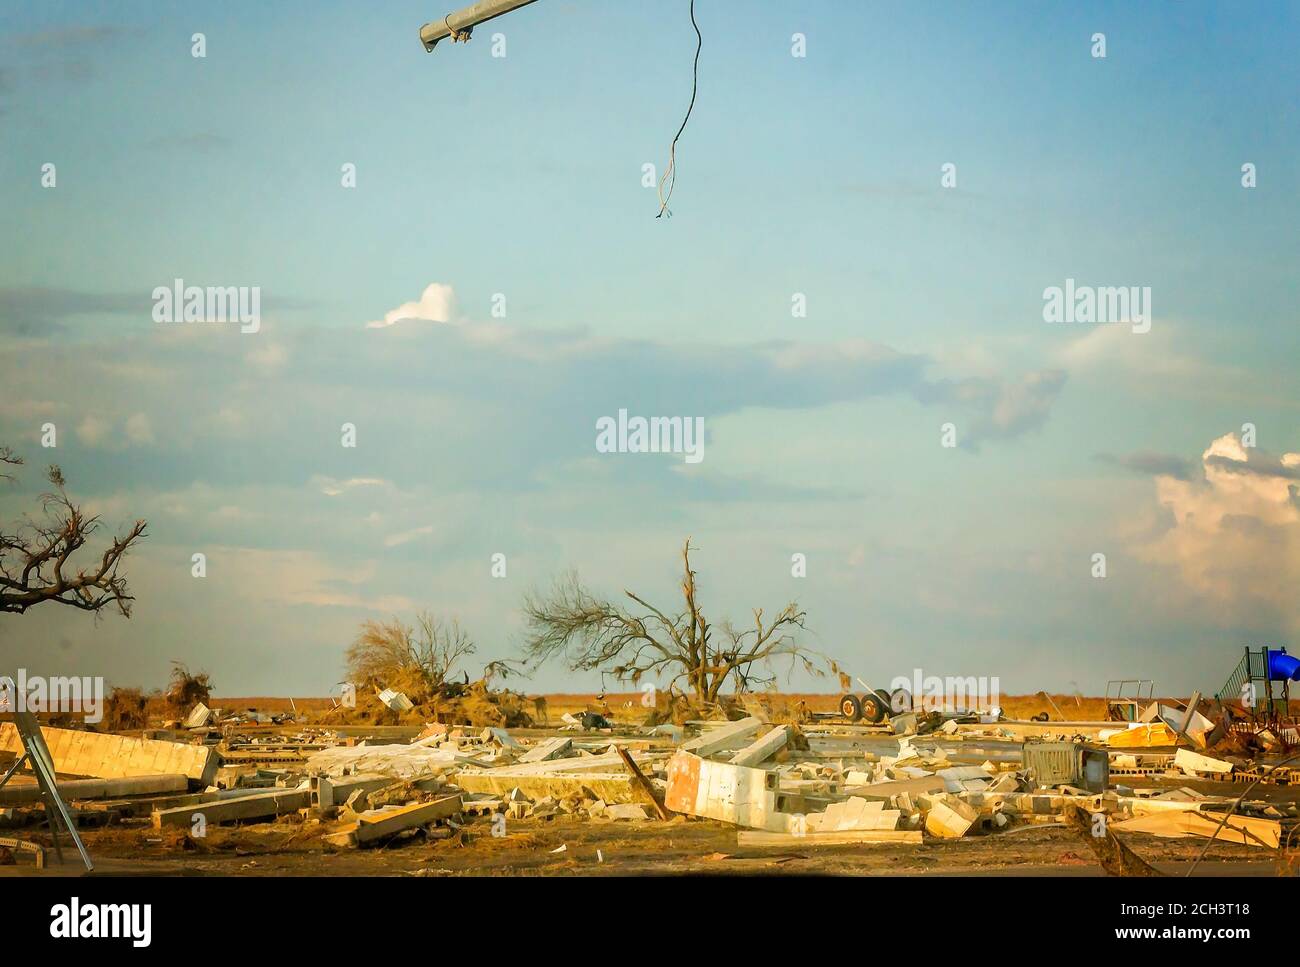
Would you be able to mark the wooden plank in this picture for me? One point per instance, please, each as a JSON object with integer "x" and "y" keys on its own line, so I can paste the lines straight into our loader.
{"x": 645, "y": 785}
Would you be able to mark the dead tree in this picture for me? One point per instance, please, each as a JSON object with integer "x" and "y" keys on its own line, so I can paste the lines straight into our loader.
{"x": 35, "y": 553}
{"x": 590, "y": 633}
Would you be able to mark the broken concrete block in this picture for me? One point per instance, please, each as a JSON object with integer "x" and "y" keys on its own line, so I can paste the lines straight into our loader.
{"x": 718, "y": 790}
{"x": 19, "y": 792}
{"x": 857, "y": 813}
{"x": 332, "y": 792}
{"x": 236, "y": 808}
{"x": 396, "y": 700}
{"x": 380, "y": 823}
{"x": 612, "y": 787}
{"x": 628, "y": 810}
{"x": 904, "y": 724}
{"x": 79, "y": 753}
{"x": 673, "y": 732}
{"x": 1006, "y": 782}
{"x": 756, "y": 837}
{"x": 344, "y": 838}
{"x": 950, "y": 819}
{"x": 1193, "y": 763}
{"x": 500, "y": 736}
{"x": 765, "y": 747}
{"x": 550, "y": 749}
{"x": 200, "y": 716}
{"x": 895, "y": 787}
{"x": 722, "y": 737}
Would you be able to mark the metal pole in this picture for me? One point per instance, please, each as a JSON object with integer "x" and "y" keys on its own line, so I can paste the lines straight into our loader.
{"x": 458, "y": 25}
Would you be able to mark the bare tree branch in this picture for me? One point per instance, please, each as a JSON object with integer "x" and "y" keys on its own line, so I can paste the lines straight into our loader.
{"x": 35, "y": 553}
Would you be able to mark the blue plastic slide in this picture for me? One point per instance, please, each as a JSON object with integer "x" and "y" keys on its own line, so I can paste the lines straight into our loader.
{"x": 1281, "y": 665}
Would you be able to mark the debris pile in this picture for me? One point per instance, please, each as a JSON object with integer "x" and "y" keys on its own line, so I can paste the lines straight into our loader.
{"x": 917, "y": 780}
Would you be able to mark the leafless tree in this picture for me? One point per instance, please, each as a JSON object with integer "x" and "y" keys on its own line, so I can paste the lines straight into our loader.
{"x": 34, "y": 554}
{"x": 590, "y": 633}
{"x": 431, "y": 647}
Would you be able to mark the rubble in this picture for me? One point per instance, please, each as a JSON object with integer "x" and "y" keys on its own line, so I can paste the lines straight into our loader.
{"x": 949, "y": 818}
{"x": 1193, "y": 764}
{"x": 237, "y": 808}
{"x": 774, "y": 785}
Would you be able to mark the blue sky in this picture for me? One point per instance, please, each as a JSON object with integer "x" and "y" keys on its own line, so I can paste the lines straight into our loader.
{"x": 521, "y": 175}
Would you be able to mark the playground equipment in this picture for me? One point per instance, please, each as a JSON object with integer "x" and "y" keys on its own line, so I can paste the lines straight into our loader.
{"x": 1126, "y": 697}
{"x": 1261, "y": 683}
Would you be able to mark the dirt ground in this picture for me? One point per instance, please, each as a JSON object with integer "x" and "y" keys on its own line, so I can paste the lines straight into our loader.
{"x": 679, "y": 847}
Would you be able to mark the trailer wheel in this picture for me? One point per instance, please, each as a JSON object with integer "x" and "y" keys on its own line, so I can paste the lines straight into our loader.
{"x": 873, "y": 709}
{"x": 850, "y": 707}
{"x": 900, "y": 701}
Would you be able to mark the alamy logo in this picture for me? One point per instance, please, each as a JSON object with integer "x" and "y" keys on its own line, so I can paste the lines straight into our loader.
{"x": 215, "y": 303}
{"x": 656, "y": 434}
{"x": 1085, "y": 303}
{"x": 75, "y": 920}
{"x": 931, "y": 693}
{"x": 38, "y": 693}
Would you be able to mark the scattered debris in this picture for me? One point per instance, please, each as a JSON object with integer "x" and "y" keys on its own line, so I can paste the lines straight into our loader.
{"x": 396, "y": 700}
{"x": 957, "y": 775}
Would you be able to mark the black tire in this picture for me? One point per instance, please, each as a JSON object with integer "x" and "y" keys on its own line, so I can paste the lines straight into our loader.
{"x": 900, "y": 701}
{"x": 873, "y": 709}
{"x": 850, "y": 707}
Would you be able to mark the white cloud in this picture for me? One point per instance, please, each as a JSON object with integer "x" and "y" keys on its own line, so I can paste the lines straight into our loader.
{"x": 268, "y": 356}
{"x": 1159, "y": 356}
{"x": 405, "y": 537}
{"x": 93, "y": 430}
{"x": 139, "y": 430}
{"x": 1235, "y": 535}
{"x": 332, "y": 487}
{"x": 436, "y": 305}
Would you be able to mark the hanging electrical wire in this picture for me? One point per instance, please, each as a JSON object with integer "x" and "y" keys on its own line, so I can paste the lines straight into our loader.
{"x": 670, "y": 173}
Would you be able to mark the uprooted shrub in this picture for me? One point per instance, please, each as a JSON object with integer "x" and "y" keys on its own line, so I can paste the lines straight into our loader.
{"x": 125, "y": 710}
{"x": 422, "y": 662}
{"x": 186, "y": 690}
